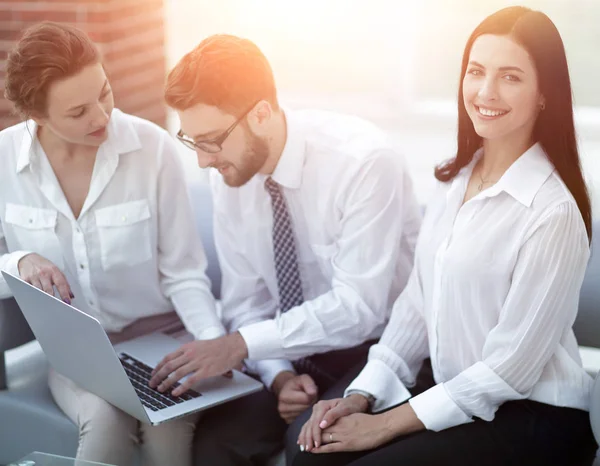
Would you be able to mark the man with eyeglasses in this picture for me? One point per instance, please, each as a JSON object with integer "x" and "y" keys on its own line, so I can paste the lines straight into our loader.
{"x": 315, "y": 228}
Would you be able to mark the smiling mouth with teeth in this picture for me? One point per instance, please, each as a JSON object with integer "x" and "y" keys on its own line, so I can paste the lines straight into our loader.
{"x": 490, "y": 113}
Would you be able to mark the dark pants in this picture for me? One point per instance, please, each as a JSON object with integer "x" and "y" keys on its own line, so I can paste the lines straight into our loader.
{"x": 523, "y": 433}
{"x": 249, "y": 431}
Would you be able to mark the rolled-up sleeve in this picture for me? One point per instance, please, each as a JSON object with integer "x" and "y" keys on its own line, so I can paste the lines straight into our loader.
{"x": 9, "y": 262}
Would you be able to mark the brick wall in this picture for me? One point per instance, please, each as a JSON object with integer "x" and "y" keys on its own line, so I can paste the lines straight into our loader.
{"x": 130, "y": 34}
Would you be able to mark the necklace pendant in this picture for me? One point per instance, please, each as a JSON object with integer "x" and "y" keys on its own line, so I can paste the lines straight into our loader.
{"x": 480, "y": 187}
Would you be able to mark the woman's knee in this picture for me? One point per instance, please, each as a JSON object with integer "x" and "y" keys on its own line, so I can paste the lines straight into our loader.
{"x": 97, "y": 415}
{"x": 162, "y": 443}
{"x": 170, "y": 434}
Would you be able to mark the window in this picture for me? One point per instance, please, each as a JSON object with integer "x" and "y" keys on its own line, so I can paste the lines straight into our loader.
{"x": 393, "y": 62}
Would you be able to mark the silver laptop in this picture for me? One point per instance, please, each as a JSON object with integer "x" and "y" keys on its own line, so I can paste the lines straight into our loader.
{"x": 77, "y": 346}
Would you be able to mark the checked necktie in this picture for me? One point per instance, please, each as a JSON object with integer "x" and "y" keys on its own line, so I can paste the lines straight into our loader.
{"x": 286, "y": 269}
{"x": 284, "y": 249}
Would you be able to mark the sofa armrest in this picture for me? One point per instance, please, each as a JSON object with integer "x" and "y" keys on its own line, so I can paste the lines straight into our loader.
{"x": 595, "y": 408}
{"x": 14, "y": 331}
{"x": 587, "y": 324}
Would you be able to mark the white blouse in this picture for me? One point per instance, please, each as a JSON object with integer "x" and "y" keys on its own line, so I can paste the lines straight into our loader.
{"x": 133, "y": 252}
{"x": 492, "y": 300}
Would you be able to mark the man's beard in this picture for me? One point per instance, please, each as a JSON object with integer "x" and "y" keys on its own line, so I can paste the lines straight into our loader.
{"x": 255, "y": 156}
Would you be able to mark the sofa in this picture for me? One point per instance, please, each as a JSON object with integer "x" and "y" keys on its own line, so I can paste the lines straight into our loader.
{"x": 30, "y": 421}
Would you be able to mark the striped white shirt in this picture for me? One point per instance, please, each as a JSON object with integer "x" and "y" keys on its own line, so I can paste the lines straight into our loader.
{"x": 492, "y": 300}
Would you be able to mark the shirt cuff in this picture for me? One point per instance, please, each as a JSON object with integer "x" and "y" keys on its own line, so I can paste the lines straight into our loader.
{"x": 197, "y": 311}
{"x": 437, "y": 410}
{"x": 380, "y": 381}
{"x": 262, "y": 340}
{"x": 11, "y": 266}
{"x": 210, "y": 333}
{"x": 269, "y": 369}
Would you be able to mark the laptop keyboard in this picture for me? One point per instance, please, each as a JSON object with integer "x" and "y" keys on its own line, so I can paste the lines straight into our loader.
{"x": 140, "y": 374}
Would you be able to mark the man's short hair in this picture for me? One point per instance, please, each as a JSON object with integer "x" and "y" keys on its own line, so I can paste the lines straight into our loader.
{"x": 223, "y": 71}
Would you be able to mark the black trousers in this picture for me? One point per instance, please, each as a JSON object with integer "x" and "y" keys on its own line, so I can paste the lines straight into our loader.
{"x": 523, "y": 433}
{"x": 249, "y": 431}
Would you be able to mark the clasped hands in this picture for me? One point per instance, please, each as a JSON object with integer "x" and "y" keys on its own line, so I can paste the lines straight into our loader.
{"x": 342, "y": 424}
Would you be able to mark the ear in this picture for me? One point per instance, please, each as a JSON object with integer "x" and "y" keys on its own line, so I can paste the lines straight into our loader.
{"x": 542, "y": 102}
{"x": 39, "y": 119}
{"x": 260, "y": 116}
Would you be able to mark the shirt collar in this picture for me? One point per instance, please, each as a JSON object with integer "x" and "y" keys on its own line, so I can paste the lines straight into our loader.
{"x": 26, "y": 152}
{"x": 524, "y": 177}
{"x": 122, "y": 138}
{"x": 288, "y": 172}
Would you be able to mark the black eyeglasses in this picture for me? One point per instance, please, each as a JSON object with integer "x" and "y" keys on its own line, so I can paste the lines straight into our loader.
{"x": 211, "y": 146}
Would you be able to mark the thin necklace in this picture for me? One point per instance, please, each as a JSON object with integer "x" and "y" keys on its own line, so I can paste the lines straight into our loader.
{"x": 483, "y": 182}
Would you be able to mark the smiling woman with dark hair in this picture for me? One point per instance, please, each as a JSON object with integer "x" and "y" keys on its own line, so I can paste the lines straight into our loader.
{"x": 494, "y": 293}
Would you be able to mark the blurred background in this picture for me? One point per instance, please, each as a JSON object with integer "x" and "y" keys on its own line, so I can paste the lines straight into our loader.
{"x": 394, "y": 62}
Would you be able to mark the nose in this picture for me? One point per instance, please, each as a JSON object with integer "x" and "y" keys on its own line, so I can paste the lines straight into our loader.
{"x": 101, "y": 117}
{"x": 488, "y": 90}
{"x": 205, "y": 159}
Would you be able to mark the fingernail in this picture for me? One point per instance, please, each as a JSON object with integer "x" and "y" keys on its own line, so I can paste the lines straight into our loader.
{"x": 301, "y": 447}
{"x": 67, "y": 300}
{"x": 72, "y": 295}
{"x": 307, "y": 447}
{"x": 316, "y": 446}
{"x": 323, "y": 424}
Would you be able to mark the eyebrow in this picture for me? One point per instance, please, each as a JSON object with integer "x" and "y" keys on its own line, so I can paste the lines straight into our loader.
{"x": 77, "y": 107}
{"x": 205, "y": 135}
{"x": 502, "y": 68}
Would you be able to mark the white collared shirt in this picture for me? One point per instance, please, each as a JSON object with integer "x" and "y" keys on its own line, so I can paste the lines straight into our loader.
{"x": 491, "y": 300}
{"x": 133, "y": 251}
{"x": 355, "y": 220}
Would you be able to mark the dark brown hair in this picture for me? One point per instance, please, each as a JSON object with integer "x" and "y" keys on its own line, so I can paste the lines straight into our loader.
{"x": 554, "y": 128}
{"x": 46, "y": 52}
{"x": 223, "y": 71}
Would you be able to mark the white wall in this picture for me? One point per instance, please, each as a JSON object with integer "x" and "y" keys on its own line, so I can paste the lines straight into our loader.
{"x": 395, "y": 62}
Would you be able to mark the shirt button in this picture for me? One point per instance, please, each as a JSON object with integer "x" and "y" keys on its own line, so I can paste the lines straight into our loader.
{"x": 91, "y": 303}
{"x": 30, "y": 220}
{"x": 123, "y": 218}
{"x": 81, "y": 266}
